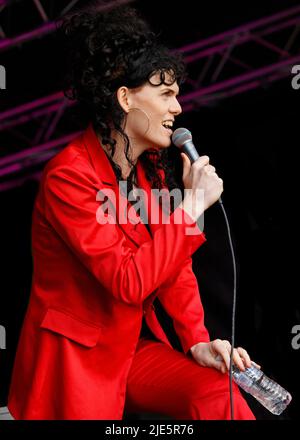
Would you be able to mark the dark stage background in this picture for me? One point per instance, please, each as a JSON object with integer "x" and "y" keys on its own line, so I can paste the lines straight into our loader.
{"x": 250, "y": 137}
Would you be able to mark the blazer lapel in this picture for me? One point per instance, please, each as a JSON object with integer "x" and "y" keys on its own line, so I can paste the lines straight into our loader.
{"x": 154, "y": 213}
{"x": 130, "y": 222}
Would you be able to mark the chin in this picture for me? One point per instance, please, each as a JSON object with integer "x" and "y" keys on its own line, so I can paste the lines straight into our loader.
{"x": 165, "y": 144}
{"x": 158, "y": 144}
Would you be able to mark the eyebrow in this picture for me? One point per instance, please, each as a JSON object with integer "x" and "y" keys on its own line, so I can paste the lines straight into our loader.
{"x": 171, "y": 90}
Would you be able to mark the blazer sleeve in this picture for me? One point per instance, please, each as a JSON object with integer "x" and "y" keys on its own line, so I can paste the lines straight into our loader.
{"x": 70, "y": 207}
{"x": 181, "y": 299}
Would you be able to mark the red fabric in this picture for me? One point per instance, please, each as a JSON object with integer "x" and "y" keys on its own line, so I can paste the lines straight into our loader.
{"x": 162, "y": 380}
{"x": 91, "y": 285}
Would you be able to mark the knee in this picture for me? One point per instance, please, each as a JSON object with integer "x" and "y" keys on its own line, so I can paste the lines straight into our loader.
{"x": 212, "y": 383}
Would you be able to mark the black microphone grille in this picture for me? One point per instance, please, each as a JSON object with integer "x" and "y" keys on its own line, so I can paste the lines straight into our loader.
{"x": 181, "y": 136}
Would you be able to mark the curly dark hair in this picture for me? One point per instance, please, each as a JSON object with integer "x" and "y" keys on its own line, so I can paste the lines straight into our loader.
{"x": 107, "y": 50}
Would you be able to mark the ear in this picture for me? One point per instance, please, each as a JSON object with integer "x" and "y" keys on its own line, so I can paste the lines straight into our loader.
{"x": 123, "y": 98}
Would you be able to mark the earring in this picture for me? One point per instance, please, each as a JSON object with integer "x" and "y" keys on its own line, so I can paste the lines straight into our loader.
{"x": 140, "y": 119}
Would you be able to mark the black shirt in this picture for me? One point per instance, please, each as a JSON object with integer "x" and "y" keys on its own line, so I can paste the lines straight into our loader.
{"x": 145, "y": 330}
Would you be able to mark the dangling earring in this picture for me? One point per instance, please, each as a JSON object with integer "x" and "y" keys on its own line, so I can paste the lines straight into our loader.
{"x": 141, "y": 118}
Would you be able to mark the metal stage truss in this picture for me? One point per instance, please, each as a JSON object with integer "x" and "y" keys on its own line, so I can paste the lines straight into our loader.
{"x": 250, "y": 56}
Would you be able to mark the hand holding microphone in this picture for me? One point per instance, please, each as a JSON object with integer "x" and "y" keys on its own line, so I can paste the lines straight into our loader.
{"x": 197, "y": 174}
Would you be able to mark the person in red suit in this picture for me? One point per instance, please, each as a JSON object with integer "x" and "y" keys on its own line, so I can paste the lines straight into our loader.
{"x": 91, "y": 345}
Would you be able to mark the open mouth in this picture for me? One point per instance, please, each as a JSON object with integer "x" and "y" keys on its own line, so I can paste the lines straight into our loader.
{"x": 168, "y": 125}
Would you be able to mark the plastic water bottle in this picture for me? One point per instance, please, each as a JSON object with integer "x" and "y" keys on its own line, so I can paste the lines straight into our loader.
{"x": 265, "y": 390}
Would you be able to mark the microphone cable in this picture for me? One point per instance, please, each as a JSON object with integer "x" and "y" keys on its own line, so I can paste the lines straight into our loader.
{"x": 233, "y": 306}
{"x": 182, "y": 138}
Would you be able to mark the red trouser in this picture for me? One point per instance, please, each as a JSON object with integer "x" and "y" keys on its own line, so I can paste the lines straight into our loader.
{"x": 165, "y": 381}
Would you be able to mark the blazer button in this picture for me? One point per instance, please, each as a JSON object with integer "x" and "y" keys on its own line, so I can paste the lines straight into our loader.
{"x": 144, "y": 312}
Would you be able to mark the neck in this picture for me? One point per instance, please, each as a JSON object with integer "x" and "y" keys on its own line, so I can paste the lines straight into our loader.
{"x": 119, "y": 157}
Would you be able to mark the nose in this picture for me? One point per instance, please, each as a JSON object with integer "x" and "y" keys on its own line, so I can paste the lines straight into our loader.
{"x": 175, "y": 107}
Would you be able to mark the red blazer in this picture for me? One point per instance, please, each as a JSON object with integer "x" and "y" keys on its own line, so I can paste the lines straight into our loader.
{"x": 91, "y": 286}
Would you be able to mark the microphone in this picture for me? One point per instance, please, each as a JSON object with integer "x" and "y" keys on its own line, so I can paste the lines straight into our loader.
{"x": 182, "y": 139}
